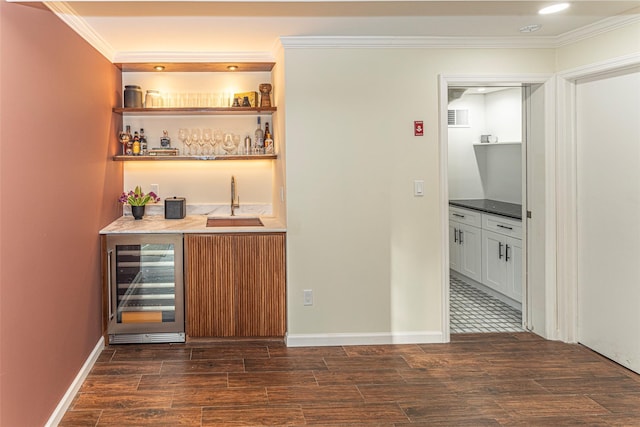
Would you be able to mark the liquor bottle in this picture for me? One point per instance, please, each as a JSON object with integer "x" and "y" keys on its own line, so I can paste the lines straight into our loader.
{"x": 268, "y": 140}
{"x": 136, "y": 144}
{"x": 143, "y": 143}
{"x": 165, "y": 141}
{"x": 129, "y": 141}
{"x": 259, "y": 138}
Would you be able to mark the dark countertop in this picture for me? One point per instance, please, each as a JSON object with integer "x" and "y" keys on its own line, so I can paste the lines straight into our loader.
{"x": 510, "y": 210}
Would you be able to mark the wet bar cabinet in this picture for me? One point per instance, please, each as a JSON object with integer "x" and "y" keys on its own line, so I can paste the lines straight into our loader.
{"x": 144, "y": 292}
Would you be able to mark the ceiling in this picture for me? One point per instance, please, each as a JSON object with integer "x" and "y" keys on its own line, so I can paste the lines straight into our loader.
{"x": 124, "y": 29}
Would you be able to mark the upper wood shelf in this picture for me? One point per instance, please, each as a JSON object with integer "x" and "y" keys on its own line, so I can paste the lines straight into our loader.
{"x": 195, "y": 66}
{"x": 122, "y": 158}
{"x": 223, "y": 111}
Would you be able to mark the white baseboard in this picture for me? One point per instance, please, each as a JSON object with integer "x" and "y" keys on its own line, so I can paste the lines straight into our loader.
{"x": 66, "y": 400}
{"x": 323, "y": 340}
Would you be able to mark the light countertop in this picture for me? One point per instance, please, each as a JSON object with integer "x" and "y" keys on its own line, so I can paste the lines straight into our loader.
{"x": 189, "y": 224}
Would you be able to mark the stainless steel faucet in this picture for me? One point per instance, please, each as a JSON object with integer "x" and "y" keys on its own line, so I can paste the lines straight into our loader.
{"x": 235, "y": 199}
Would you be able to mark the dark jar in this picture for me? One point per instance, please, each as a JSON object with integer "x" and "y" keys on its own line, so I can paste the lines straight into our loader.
{"x": 132, "y": 96}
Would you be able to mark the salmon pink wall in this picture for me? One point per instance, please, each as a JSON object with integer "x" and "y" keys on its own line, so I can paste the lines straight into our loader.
{"x": 58, "y": 188}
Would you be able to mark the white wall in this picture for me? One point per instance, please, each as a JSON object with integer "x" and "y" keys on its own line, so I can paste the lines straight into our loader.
{"x": 465, "y": 160}
{"x": 503, "y": 114}
{"x": 369, "y": 249}
{"x": 492, "y": 171}
{"x": 503, "y": 173}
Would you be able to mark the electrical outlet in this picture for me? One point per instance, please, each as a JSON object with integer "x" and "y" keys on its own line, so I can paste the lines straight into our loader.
{"x": 308, "y": 297}
{"x": 156, "y": 189}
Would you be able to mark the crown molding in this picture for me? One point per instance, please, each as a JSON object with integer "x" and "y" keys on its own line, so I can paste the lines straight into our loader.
{"x": 69, "y": 16}
{"x": 515, "y": 42}
{"x": 592, "y": 30}
{"x": 416, "y": 42}
{"x": 125, "y": 57}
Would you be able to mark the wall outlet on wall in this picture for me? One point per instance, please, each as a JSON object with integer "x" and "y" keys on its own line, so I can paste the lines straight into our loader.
{"x": 156, "y": 189}
{"x": 308, "y": 297}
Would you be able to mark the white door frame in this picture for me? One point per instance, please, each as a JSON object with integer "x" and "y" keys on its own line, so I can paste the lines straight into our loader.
{"x": 548, "y": 82}
{"x": 567, "y": 244}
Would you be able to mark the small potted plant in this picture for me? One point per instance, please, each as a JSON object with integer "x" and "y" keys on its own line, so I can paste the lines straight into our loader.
{"x": 137, "y": 200}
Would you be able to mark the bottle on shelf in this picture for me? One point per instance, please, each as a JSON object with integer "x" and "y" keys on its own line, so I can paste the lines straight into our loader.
{"x": 259, "y": 138}
{"x": 268, "y": 140}
{"x": 165, "y": 140}
{"x": 129, "y": 151}
{"x": 136, "y": 144}
{"x": 143, "y": 143}
{"x": 246, "y": 149}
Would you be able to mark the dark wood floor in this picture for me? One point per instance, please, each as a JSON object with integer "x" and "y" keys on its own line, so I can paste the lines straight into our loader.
{"x": 477, "y": 380}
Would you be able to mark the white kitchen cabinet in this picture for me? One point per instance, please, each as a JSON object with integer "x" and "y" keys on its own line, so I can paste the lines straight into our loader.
{"x": 502, "y": 264}
{"x": 465, "y": 247}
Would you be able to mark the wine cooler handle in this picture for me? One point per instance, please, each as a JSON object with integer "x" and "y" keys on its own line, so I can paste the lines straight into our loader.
{"x": 499, "y": 250}
{"x": 110, "y": 285}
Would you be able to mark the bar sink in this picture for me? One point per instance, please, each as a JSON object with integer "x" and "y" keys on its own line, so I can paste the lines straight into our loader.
{"x": 234, "y": 221}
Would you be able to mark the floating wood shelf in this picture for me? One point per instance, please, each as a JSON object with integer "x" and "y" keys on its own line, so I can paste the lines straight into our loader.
{"x": 221, "y": 111}
{"x": 195, "y": 66}
{"x": 122, "y": 158}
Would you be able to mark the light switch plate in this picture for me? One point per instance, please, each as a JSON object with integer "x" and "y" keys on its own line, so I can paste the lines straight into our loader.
{"x": 418, "y": 187}
{"x": 308, "y": 297}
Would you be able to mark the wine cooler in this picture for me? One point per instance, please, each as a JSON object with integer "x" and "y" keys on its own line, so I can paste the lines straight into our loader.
{"x": 146, "y": 292}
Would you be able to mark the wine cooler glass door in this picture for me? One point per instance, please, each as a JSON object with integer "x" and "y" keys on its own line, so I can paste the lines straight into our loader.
{"x": 146, "y": 284}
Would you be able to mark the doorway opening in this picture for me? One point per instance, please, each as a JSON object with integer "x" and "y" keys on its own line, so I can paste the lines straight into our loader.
{"x": 486, "y": 182}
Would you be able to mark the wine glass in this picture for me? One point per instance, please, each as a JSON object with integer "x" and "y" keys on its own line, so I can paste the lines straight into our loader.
{"x": 218, "y": 138}
{"x": 196, "y": 136}
{"x": 228, "y": 144}
{"x": 201, "y": 142}
{"x": 206, "y": 141}
{"x": 124, "y": 140}
{"x": 183, "y": 136}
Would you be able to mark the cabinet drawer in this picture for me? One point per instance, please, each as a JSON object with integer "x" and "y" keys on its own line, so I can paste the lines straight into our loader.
{"x": 502, "y": 225}
{"x": 465, "y": 216}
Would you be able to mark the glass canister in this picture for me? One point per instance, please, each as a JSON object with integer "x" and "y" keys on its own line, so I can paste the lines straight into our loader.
{"x": 153, "y": 99}
{"x": 132, "y": 96}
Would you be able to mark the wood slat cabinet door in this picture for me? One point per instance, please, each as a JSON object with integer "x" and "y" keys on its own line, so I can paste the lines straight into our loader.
{"x": 260, "y": 282}
{"x": 210, "y": 293}
{"x": 235, "y": 285}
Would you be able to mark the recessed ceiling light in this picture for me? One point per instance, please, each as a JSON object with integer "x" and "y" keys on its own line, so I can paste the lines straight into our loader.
{"x": 555, "y": 8}
{"x": 530, "y": 28}
{"x": 159, "y": 68}
{"x": 232, "y": 67}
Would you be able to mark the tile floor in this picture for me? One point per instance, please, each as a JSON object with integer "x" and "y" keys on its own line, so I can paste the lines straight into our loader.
{"x": 472, "y": 311}
{"x": 491, "y": 379}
